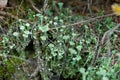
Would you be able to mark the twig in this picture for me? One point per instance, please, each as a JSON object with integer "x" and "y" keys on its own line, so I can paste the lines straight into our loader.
{"x": 88, "y": 6}
{"x": 85, "y": 21}
{"x": 97, "y": 51}
{"x": 91, "y": 19}
{"x": 33, "y": 5}
{"x": 2, "y": 30}
{"x": 13, "y": 16}
{"x": 45, "y": 5}
{"x": 108, "y": 34}
{"x": 8, "y": 14}
{"x": 116, "y": 31}
{"x": 105, "y": 38}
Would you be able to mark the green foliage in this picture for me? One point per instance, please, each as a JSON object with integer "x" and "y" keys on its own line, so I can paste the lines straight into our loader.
{"x": 67, "y": 50}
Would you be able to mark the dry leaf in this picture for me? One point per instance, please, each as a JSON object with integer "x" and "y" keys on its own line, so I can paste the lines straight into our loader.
{"x": 116, "y": 9}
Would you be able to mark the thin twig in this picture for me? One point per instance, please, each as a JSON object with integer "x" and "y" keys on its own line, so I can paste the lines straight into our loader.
{"x": 85, "y": 21}
{"x": 108, "y": 33}
{"x": 33, "y": 5}
{"x": 91, "y": 19}
{"x": 105, "y": 39}
{"x": 45, "y": 5}
{"x": 8, "y": 14}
